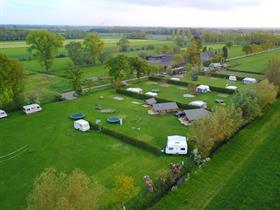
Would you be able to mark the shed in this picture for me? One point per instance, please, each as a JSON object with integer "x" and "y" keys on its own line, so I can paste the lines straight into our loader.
{"x": 176, "y": 145}
{"x": 231, "y": 87}
{"x": 203, "y": 89}
{"x": 3, "y": 114}
{"x": 82, "y": 125}
{"x": 165, "y": 107}
{"x": 200, "y": 104}
{"x": 232, "y": 78}
{"x": 31, "y": 108}
{"x": 249, "y": 80}
{"x": 150, "y": 101}
{"x": 135, "y": 90}
{"x": 151, "y": 94}
{"x": 191, "y": 115}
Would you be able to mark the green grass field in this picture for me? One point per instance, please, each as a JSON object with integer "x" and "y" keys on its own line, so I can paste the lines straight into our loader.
{"x": 233, "y": 51}
{"x": 255, "y": 63}
{"x": 53, "y": 142}
{"x": 243, "y": 174}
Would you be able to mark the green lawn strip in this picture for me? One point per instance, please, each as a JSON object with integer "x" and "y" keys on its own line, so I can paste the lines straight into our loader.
{"x": 240, "y": 74}
{"x": 53, "y": 142}
{"x": 226, "y": 165}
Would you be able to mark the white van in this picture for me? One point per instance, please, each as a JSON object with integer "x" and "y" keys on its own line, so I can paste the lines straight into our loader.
{"x": 32, "y": 108}
{"x": 176, "y": 145}
{"x": 81, "y": 125}
{"x": 3, "y": 114}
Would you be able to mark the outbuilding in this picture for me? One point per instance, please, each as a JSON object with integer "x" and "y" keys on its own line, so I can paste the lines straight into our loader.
{"x": 200, "y": 104}
{"x": 165, "y": 107}
{"x": 31, "y": 108}
{"x": 191, "y": 115}
{"x": 203, "y": 89}
{"x": 3, "y": 114}
{"x": 150, "y": 101}
{"x": 176, "y": 145}
{"x": 135, "y": 90}
{"x": 232, "y": 78}
{"x": 249, "y": 80}
{"x": 82, "y": 125}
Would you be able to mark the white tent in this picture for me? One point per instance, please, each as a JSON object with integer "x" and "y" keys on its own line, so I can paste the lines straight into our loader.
{"x": 3, "y": 114}
{"x": 176, "y": 145}
{"x": 232, "y": 78}
{"x": 151, "y": 94}
{"x": 135, "y": 90}
{"x": 248, "y": 80}
{"x": 31, "y": 108}
{"x": 203, "y": 89}
{"x": 81, "y": 125}
{"x": 200, "y": 104}
{"x": 175, "y": 78}
{"x": 231, "y": 87}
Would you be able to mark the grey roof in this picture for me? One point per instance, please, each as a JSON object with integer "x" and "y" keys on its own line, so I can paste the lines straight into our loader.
{"x": 195, "y": 114}
{"x": 151, "y": 101}
{"x": 165, "y": 106}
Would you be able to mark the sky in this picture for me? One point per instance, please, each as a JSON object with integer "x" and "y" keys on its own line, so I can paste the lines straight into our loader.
{"x": 169, "y": 13}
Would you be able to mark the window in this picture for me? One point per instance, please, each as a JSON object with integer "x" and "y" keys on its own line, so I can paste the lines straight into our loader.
{"x": 170, "y": 148}
{"x": 183, "y": 149}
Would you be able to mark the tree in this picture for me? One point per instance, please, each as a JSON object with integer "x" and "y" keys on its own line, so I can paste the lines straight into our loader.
{"x": 54, "y": 190}
{"x": 247, "y": 101}
{"x": 229, "y": 44}
{"x": 45, "y": 44}
{"x": 123, "y": 44}
{"x": 75, "y": 74}
{"x": 178, "y": 59}
{"x": 193, "y": 52}
{"x": 93, "y": 46}
{"x": 11, "y": 82}
{"x": 118, "y": 67}
{"x": 75, "y": 52}
{"x": 273, "y": 71}
{"x": 124, "y": 189}
{"x": 105, "y": 56}
{"x": 225, "y": 52}
{"x": 247, "y": 49}
{"x": 140, "y": 66}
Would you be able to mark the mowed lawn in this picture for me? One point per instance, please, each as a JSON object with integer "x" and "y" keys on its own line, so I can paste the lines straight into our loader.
{"x": 243, "y": 174}
{"x": 255, "y": 63}
{"x": 54, "y": 143}
{"x": 175, "y": 93}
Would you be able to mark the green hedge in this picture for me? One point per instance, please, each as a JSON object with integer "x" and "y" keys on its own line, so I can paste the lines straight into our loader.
{"x": 127, "y": 139}
{"x": 249, "y": 72}
{"x": 220, "y": 75}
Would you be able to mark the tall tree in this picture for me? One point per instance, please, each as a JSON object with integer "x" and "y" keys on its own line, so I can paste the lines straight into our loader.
{"x": 54, "y": 190}
{"x": 273, "y": 70}
{"x": 123, "y": 44}
{"x": 193, "y": 52}
{"x": 11, "y": 82}
{"x": 225, "y": 52}
{"x": 140, "y": 66}
{"x": 45, "y": 44}
{"x": 93, "y": 46}
{"x": 75, "y": 74}
{"x": 75, "y": 52}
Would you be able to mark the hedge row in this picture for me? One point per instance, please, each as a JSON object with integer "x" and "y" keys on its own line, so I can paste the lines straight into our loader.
{"x": 160, "y": 100}
{"x": 249, "y": 72}
{"x": 220, "y": 75}
{"x": 185, "y": 84}
{"x": 126, "y": 139}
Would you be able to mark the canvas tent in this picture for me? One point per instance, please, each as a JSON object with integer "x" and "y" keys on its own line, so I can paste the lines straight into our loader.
{"x": 176, "y": 145}
{"x": 135, "y": 90}
{"x": 200, "y": 104}
{"x": 248, "y": 80}
{"x": 232, "y": 78}
{"x": 3, "y": 114}
{"x": 231, "y": 87}
{"x": 81, "y": 125}
{"x": 165, "y": 107}
{"x": 191, "y": 115}
{"x": 31, "y": 108}
{"x": 202, "y": 89}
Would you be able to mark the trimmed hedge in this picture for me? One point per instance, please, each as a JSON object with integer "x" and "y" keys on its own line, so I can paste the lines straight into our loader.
{"x": 126, "y": 139}
{"x": 181, "y": 83}
{"x": 160, "y": 100}
{"x": 249, "y": 72}
{"x": 220, "y": 75}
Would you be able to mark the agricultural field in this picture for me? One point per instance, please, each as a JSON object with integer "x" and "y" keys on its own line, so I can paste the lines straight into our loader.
{"x": 255, "y": 63}
{"x": 51, "y": 141}
{"x": 243, "y": 174}
{"x": 175, "y": 93}
{"x": 233, "y": 51}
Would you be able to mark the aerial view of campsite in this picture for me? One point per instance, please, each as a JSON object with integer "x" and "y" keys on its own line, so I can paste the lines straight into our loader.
{"x": 139, "y": 105}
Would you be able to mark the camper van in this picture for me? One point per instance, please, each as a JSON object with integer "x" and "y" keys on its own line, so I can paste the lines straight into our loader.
{"x": 81, "y": 125}
{"x": 176, "y": 145}
{"x": 3, "y": 114}
{"x": 32, "y": 108}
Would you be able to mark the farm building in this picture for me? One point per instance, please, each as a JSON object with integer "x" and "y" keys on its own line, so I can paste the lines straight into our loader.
{"x": 248, "y": 80}
{"x": 203, "y": 89}
{"x": 135, "y": 90}
{"x": 3, "y": 114}
{"x": 32, "y": 108}
{"x": 165, "y": 107}
{"x": 163, "y": 59}
{"x": 232, "y": 78}
{"x": 200, "y": 104}
{"x": 176, "y": 145}
{"x": 150, "y": 101}
{"x": 178, "y": 70}
{"x": 190, "y": 115}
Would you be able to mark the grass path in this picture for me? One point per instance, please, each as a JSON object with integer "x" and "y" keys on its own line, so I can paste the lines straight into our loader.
{"x": 207, "y": 188}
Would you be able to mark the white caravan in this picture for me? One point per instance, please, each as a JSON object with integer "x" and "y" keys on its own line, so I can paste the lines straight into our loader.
{"x": 176, "y": 145}
{"x": 3, "y": 114}
{"x": 32, "y": 108}
{"x": 81, "y": 125}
